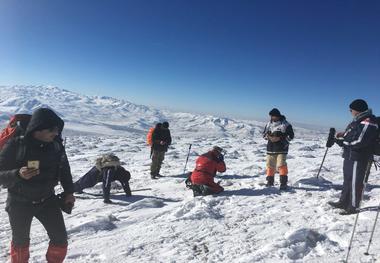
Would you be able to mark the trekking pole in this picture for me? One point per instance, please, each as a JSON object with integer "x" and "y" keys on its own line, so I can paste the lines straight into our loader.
{"x": 329, "y": 143}
{"x": 373, "y": 230}
{"x": 187, "y": 159}
{"x": 368, "y": 169}
{"x": 374, "y": 224}
{"x": 323, "y": 160}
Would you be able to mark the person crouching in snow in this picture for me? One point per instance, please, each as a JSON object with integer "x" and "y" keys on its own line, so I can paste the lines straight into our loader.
{"x": 106, "y": 170}
{"x": 202, "y": 178}
{"x": 278, "y": 132}
{"x": 30, "y": 167}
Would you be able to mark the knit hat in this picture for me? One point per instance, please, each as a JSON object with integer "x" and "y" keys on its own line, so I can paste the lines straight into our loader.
{"x": 275, "y": 112}
{"x": 107, "y": 160}
{"x": 165, "y": 124}
{"x": 359, "y": 105}
{"x": 217, "y": 149}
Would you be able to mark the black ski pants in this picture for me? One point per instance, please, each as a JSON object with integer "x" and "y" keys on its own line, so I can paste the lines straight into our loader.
{"x": 109, "y": 176}
{"x": 48, "y": 213}
{"x": 354, "y": 173}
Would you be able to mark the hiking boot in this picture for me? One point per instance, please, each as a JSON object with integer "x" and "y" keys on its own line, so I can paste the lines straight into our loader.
{"x": 153, "y": 177}
{"x": 197, "y": 191}
{"x": 337, "y": 204}
{"x": 349, "y": 211}
{"x": 107, "y": 201}
{"x": 159, "y": 175}
{"x": 270, "y": 181}
{"x": 283, "y": 187}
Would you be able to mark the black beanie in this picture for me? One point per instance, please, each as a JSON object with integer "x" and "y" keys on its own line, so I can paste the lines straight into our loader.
{"x": 359, "y": 105}
{"x": 165, "y": 124}
{"x": 275, "y": 112}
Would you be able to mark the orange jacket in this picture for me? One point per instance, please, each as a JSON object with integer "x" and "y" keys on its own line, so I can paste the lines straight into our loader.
{"x": 206, "y": 167}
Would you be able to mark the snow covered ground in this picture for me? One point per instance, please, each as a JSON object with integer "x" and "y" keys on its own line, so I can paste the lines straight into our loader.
{"x": 163, "y": 222}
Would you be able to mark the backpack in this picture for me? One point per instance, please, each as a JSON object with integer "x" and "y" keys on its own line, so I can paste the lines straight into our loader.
{"x": 107, "y": 160}
{"x": 16, "y": 127}
{"x": 149, "y": 137}
{"x": 377, "y": 143}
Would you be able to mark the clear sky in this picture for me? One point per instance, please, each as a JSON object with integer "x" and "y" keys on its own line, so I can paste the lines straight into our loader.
{"x": 309, "y": 58}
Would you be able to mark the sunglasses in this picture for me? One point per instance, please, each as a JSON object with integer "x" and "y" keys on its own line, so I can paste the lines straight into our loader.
{"x": 53, "y": 129}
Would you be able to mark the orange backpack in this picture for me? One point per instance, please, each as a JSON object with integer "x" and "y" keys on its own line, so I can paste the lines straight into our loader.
{"x": 149, "y": 136}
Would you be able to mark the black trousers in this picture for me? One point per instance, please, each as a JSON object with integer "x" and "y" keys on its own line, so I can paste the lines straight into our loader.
{"x": 48, "y": 213}
{"x": 354, "y": 173}
{"x": 110, "y": 176}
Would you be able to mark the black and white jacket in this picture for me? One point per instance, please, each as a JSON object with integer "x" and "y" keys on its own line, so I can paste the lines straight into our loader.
{"x": 359, "y": 138}
{"x": 282, "y": 129}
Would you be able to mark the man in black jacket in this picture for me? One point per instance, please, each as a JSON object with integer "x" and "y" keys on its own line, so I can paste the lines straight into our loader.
{"x": 278, "y": 132}
{"x": 161, "y": 139}
{"x": 357, "y": 142}
{"x": 30, "y": 167}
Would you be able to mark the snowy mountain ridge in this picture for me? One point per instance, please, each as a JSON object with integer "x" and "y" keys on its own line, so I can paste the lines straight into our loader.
{"x": 107, "y": 115}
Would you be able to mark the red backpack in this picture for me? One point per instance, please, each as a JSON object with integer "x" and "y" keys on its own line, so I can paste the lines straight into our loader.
{"x": 16, "y": 127}
{"x": 149, "y": 136}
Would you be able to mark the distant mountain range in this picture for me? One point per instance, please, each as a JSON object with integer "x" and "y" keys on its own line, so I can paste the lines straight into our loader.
{"x": 107, "y": 115}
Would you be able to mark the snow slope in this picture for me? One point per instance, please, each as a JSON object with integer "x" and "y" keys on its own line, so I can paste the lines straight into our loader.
{"x": 162, "y": 222}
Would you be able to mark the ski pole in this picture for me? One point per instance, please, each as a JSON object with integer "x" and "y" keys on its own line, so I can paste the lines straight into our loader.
{"x": 368, "y": 169}
{"x": 323, "y": 160}
{"x": 329, "y": 143}
{"x": 373, "y": 230}
{"x": 374, "y": 224}
{"x": 187, "y": 159}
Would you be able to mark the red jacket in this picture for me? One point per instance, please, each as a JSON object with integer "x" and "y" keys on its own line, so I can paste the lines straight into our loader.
{"x": 206, "y": 167}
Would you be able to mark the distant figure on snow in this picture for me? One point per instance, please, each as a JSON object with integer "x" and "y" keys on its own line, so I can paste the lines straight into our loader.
{"x": 161, "y": 139}
{"x": 201, "y": 180}
{"x": 279, "y": 133}
{"x": 357, "y": 142}
{"x": 106, "y": 170}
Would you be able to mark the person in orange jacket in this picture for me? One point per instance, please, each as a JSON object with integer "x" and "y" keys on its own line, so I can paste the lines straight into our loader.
{"x": 202, "y": 178}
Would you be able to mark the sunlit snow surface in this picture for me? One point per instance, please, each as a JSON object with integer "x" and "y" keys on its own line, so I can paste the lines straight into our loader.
{"x": 163, "y": 222}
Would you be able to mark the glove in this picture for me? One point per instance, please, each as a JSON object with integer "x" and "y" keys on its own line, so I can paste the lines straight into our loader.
{"x": 330, "y": 142}
{"x": 331, "y": 139}
{"x": 66, "y": 207}
{"x": 339, "y": 142}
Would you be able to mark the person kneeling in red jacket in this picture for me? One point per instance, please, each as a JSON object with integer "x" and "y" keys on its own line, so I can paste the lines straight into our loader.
{"x": 202, "y": 178}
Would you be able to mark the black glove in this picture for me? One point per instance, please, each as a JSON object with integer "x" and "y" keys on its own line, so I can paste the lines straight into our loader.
{"x": 331, "y": 139}
{"x": 339, "y": 142}
{"x": 65, "y": 207}
{"x": 330, "y": 142}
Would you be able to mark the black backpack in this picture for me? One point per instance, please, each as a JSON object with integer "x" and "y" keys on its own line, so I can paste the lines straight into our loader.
{"x": 377, "y": 143}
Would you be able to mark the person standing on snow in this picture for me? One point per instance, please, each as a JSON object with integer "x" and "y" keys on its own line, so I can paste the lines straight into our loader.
{"x": 357, "y": 142}
{"x": 202, "y": 178}
{"x": 31, "y": 189}
{"x": 161, "y": 139}
{"x": 279, "y": 133}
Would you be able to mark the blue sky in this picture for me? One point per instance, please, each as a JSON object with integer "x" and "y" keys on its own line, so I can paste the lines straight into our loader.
{"x": 233, "y": 58}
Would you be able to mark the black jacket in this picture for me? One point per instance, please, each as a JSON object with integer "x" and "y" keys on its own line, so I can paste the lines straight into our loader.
{"x": 282, "y": 129}
{"x": 161, "y": 134}
{"x": 359, "y": 137}
{"x": 54, "y": 166}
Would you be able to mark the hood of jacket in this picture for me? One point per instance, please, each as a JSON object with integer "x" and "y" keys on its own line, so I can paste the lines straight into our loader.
{"x": 44, "y": 118}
